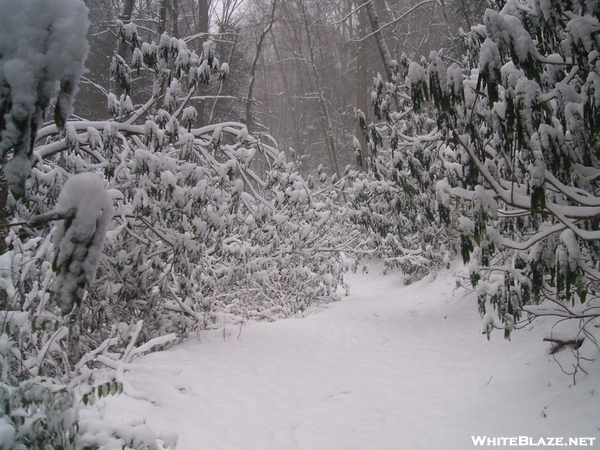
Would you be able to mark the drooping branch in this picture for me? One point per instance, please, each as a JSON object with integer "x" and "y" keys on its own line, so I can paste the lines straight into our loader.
{"x": 561, "y": 343}
{"x": 43, "y": 219}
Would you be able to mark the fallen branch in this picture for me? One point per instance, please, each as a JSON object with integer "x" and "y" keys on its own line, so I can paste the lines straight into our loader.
{"x": 561, "y": 343}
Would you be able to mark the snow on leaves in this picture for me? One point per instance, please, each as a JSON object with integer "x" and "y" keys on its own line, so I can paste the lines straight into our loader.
{"x": 42, "y": 44}
{"x": 165, "y": 228}
{"x": 79, "y": 239}
{"x": 542, "y": 101}
{"x": 516, "y": 135}
{"x": 208, "y": 221}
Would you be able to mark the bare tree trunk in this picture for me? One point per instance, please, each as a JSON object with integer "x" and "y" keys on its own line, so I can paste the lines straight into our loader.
{"x": 362, "y": 102}
{"x": 162, "y": 16}
{"x": 384, "y": 51}
{"x": 125, "y": 17}
{"x": 122, "y": 46}
{"x": 465, "y": 12}
{"x": 3, "y": 209}
{"x": 294, "y": 109}
{"x": 445, "y": 16}
{"x": 175, "y": 18}
{"x": 259, "y": 45}
{"x": 203, "y": 18}
{"x": 127, "y": 11}
{"x": 326, "y": 118}
{"x": 203, "y": 25}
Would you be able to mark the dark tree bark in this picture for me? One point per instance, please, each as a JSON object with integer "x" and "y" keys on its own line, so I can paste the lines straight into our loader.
{"x": 203, "y": 27}
{"x": 125, "y": 17}
{"x": 362, "y": 100}
{"x": 384, "y": 51}
{"x": 164, "y": 5}
{"x": 175, "y": 18}
{"x": 4, "y": 215}
{"x": 259, "y": 45}
{"x": 122, "y": 46}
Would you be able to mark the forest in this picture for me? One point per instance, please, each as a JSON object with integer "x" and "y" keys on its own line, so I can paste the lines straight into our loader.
{"x": 172, "y": 166}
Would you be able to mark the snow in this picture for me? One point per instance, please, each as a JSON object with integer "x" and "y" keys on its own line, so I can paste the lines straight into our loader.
{"x": 94, "y": 434}
{"x": 489, "y": 58}
{"x": 42, "y": 54}
{"x": 583, "y": 31}
{"x": 388, "y": 367}
{"x": 40, "y": 44}
{"x": 416, "y": 74}
{"x": 224, "y": 71}
{"x": 79, "y": 242}
{"x": 567, "y": 238}
{"x": 6, "y": 280}
{"x": 7, "y": 433}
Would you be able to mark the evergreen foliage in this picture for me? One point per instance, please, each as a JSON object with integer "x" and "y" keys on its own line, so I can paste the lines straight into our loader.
{"x": 160, "y": 229}
{"x": 130, "y": 233}
{"x": 515, "y": 143}
{"x": 404, "y": 216}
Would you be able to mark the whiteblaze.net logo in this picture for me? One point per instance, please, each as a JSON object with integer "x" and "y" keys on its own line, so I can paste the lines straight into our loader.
{"x": 533, "y": 442}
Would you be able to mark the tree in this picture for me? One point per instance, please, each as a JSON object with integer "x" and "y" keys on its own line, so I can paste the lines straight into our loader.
{"x": 516, "y": 133}
{"x": 199, "y": 227}
{"x": 386, "y": 56}
{"x": 362, "y": 89}
{"x": 259, "y": 44}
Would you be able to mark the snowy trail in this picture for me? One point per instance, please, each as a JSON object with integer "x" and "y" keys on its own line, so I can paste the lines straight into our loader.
{"x": 388, "y": 367}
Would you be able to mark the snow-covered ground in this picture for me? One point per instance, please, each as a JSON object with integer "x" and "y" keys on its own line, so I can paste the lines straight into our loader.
{"x": 389, "y": 367}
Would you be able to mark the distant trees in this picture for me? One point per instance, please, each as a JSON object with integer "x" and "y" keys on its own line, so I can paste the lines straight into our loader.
{"x": 293, "y": 98}
{"x": 304, "y": 98}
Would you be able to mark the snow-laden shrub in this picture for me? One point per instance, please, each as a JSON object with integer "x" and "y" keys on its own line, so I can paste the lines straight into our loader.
{"x": 47, "y": 402}
{"x": 210, "y": 224}
{"x": 38, "y": 413}
{"x": 42, "y": 45}
{"x": 139, "y": 229}
{"x": 395, "y": 201}
{"x": 41, "y": 413}
{"x": 516, "y": 132}
{"x": 198, "y": 232}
